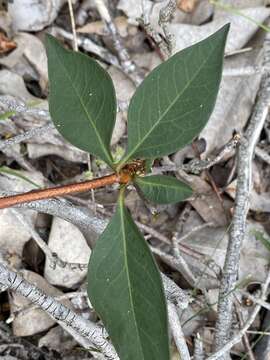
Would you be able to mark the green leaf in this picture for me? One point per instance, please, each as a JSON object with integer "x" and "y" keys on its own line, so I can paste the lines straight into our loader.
{"x": 163, "y": 189}
{"x": 82, "y": 100}
{"x": 174, "y": 102}
{"x": 125, "y": 288}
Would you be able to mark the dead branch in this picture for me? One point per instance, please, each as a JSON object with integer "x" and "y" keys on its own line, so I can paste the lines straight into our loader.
{"x": 128, "y": 66}
{"x": 10, "y": 280}
{"x": 26, "y": 136}
{"x": 227, "y": 346}
{"x": 165, "y": 17}
{"x": 177, "y": 332}
{"x": 237, "y": 230}
{"x": 198, "y": 348}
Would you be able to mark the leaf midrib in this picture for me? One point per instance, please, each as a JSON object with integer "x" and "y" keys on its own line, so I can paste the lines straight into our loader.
{"x": 121, "y": 206}
{"x": 88, "y": 116}
{"x": 168, "y": 109}
{"x": 161, "y": 185}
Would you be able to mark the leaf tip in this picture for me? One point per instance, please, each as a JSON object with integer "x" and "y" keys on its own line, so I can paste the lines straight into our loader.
{"x": 224, "y": 30}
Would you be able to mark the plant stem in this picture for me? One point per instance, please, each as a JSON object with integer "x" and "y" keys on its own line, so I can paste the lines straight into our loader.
{"x": 122, "y": 178}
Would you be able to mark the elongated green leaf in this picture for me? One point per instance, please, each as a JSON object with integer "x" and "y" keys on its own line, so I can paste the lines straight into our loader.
{"x": 125, "y": 288}
{"x": 163, "y": 189}
{"x": 82, "y": 100}
{"x": 174, "y": 102}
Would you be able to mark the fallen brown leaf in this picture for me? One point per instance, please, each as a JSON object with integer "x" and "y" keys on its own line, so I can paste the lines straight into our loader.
{"x": 6, "y": 44}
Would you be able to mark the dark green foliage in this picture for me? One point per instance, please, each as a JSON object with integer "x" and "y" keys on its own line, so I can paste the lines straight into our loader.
{"x": 174, "y": 102}
{"x": 124, "y": 286}
{"x": 162, "y": 189}
{"x": 82, "y": 100}
{"x": 167, "y": 111}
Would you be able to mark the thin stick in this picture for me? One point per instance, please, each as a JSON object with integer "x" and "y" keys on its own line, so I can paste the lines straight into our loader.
{"x": 262, "y": 155}
{"x": 196, "y": 166}
{"x": 245, "y": 339}
{"x": 24, "y": 310}
{"x": 11, "y": 280}
{"x": 227, "y": 347}
{"x": 38, "y": 131}
{"x": 198, "y": 348}
{"x": 177, "y": 332}
{"x": 127, "y": 64}
{"x": 73, "y": 26}
{"x": 63, "y": 190}
{"x": 238, "y": 228}
{"x": 165, "y": 16}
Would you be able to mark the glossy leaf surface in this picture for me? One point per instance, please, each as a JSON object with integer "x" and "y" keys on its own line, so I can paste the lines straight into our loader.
{"x": 125, "y": 288}
{"x": 82, "y": 100}
{"x": 163, "y": 189}
{"x": 174, "y": 102}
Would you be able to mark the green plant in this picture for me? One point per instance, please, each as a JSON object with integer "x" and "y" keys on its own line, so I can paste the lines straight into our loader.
{"x": 167, "y": 111}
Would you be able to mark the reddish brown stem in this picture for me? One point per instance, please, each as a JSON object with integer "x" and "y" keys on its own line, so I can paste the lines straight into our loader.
{"x": 8, "y": 201}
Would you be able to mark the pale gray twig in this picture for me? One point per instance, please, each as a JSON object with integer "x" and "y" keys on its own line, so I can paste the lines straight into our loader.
{"x": 239, "y": 51}
{"x": 228, "y": 345}
{"x": 89, "y": 225}
{"x": 73, "y": 25}
{"x": 198, "y": 348}
{"x": 21, "y": 107}
{"x": 238, "y": 227}
{"x": 174, "y": 293}
{"x": 243, "y": 71}
{"x": 10, "y": 280}
{"x": 178, "y": 264}
{"x": 26, "y": 309}
{"x": 202, "y": 258}
{"x": 186, "y": 271}
{"x": 89, "y": 46}
{"x": 128, "y": 66}
{"x": 185, "y": 249}
{"x": 196, "y": 166}
{"x": 177, "y": 332}
{"x": 38, "y": 131}
{"x": 262, "y": 155}
{"x": 153, "y": 35}
{"x": 245, "y": 339}
{"x": 165, "y": 17}
{"x": 198, "y": 228}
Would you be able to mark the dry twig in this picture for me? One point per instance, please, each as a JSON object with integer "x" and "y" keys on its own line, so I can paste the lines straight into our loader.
{"x": 177, "y": 332}
{"x": 198, "y": 348}
{"x": 128, "y": 66}
{"x": 10, "y": 280}
{"x": 73, "y": 26}
{"x": 165, "y": 16}
{"x": 227, "y": 346}
{"x": 25, "y": 136}
{"x": 238, "y": 228}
